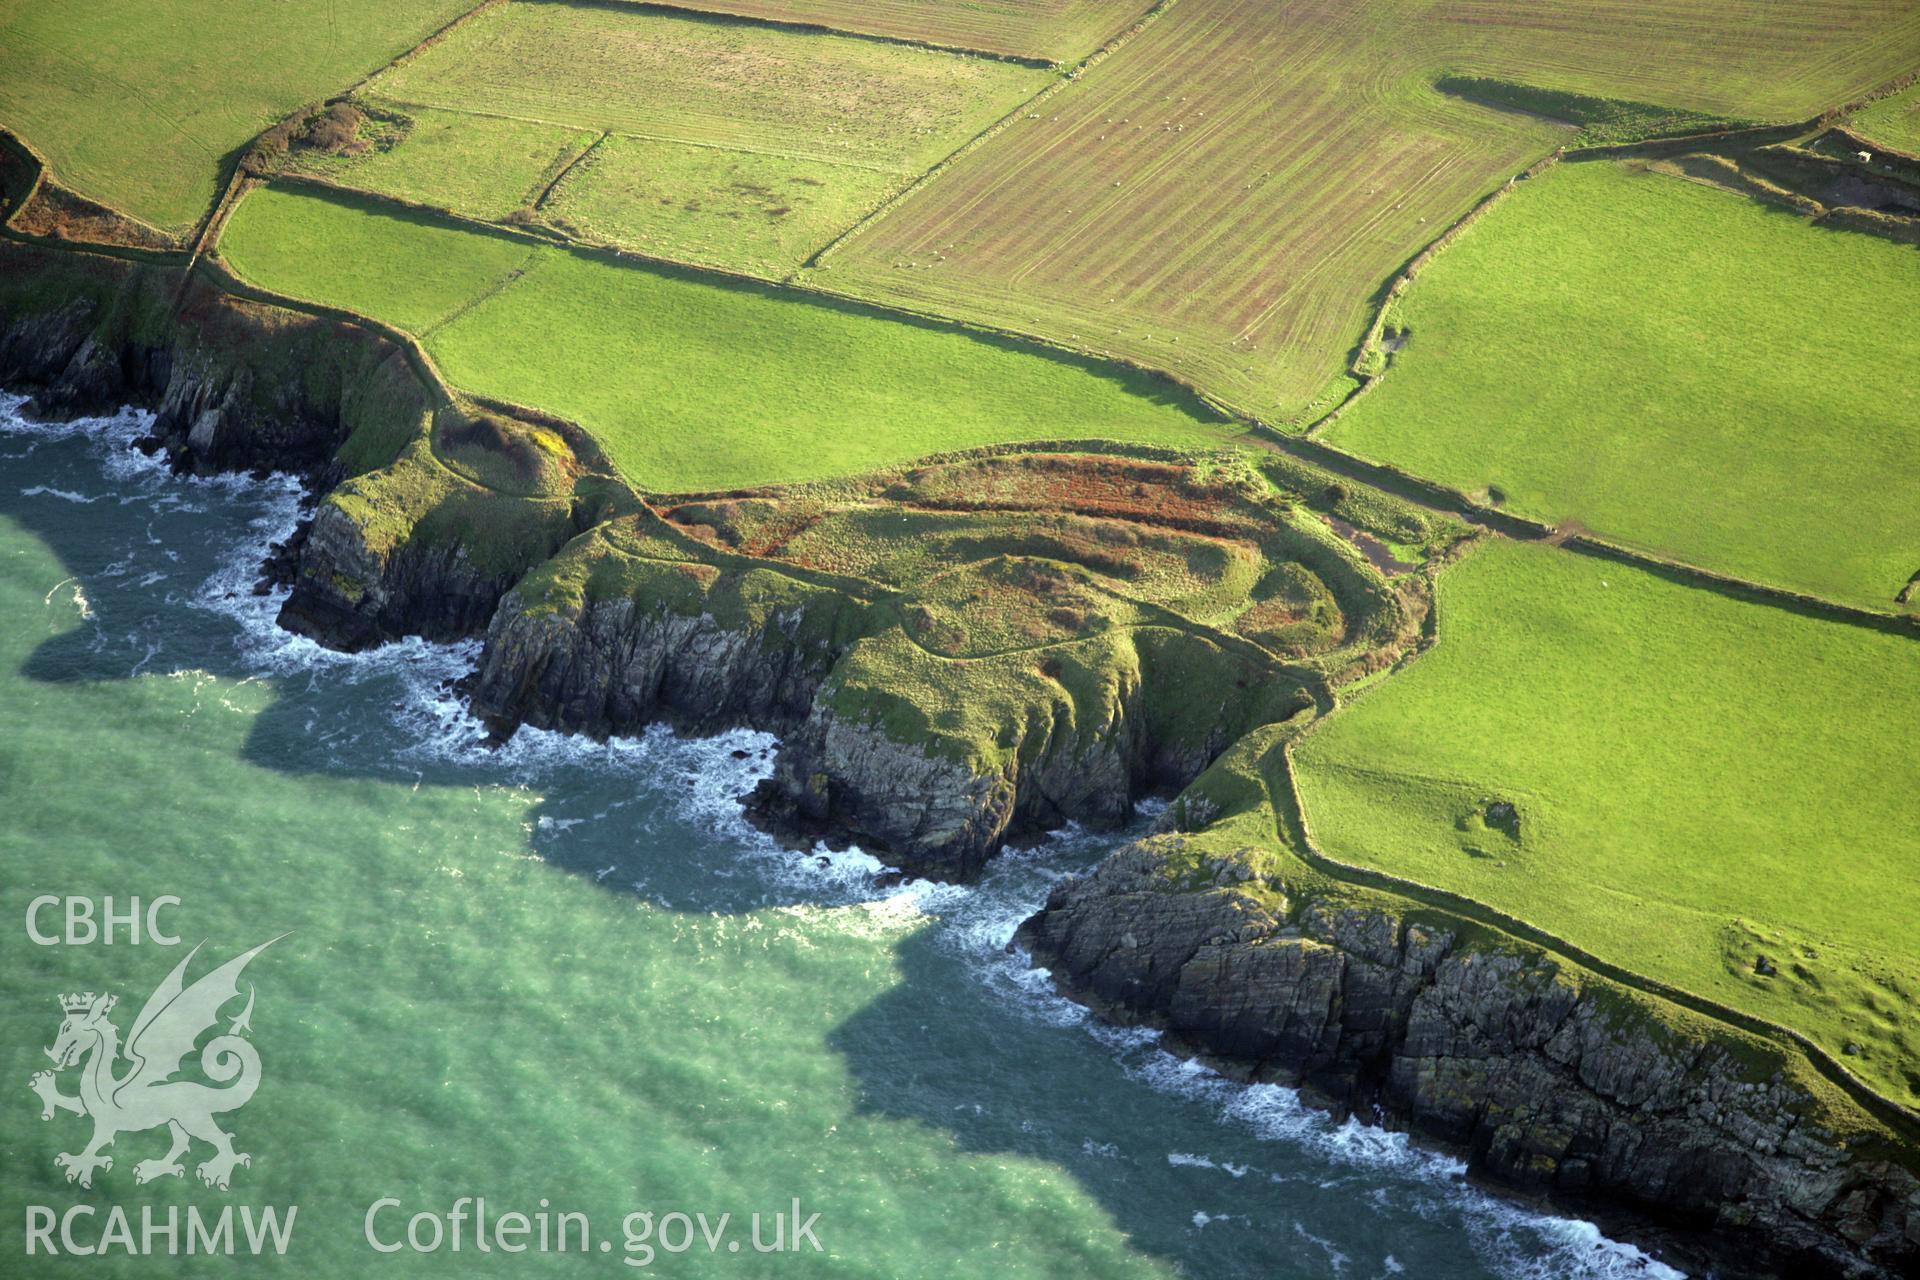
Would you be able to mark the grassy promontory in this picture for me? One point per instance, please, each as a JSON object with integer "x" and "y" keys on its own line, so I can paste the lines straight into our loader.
{"x": 963, "y": 651}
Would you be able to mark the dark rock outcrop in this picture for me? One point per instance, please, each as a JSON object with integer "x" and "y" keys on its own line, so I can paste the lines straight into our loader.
{"x": 871, "y": 750}
{"x": 944, "y": 813}
{"x": 214, "y": 410}
{"x": 1549, "y": 1084}
{"x": 351, "y": 592}
{"x": 616, "y": 666}
{"x": 236, "y": 385}
{"x": 620, "y": 665}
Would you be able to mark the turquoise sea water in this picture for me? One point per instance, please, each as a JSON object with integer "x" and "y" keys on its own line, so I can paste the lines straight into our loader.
{"x": 568, "y": 972}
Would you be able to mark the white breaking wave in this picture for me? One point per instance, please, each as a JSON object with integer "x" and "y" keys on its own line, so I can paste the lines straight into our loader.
{"x": 975, "y": 923}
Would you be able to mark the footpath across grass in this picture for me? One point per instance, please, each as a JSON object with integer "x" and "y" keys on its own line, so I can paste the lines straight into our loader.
{"x": 1716, "y": 794}
{"x": 689, "y": 381}
{"x": 1676, "y": 367}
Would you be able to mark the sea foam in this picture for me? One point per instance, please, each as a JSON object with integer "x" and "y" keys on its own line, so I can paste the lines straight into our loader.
{"x": 974, "y": 923}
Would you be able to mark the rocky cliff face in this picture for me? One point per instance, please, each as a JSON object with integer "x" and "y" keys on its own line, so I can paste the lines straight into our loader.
{"x": 212, "y": 411}
{"x": 1548, "y": 1084}
{"x": 349, "y": 594}
{"x": 238, "y": 386}
{"x": 620, "y": 665}
{"x": 617, "y": 665}
{"x": 944, "y": 813}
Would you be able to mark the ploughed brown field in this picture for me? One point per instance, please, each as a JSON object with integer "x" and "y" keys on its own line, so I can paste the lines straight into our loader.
{"x": 1225, "y": 195}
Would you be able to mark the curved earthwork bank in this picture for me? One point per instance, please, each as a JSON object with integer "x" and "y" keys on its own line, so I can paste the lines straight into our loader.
{"x": 983, "y": 645}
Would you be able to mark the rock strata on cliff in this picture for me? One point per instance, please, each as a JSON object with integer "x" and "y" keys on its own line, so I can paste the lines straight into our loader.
{"x": 929, "y": 760}
{"x": 1549, "y": 1079}
{"x": 233, "y": 385}
{"x": 971, "y": 648}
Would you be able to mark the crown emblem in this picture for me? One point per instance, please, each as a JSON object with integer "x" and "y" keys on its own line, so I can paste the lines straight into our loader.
{"x": 81, "y": 1002}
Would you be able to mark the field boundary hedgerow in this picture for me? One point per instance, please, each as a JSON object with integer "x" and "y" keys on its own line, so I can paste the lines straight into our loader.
{"x": 1371, "y": 364}
{"x": 1362, "y": 367}
{"x": 412, "y": 351}
{"x": 799, "y": 27}
{"x": 1903, "y": 1120}
{"x": 1754, "y": 136}
{"x": 420, "y": 363}
{"x": 1863, "y": 143}
{"x": 1398, "y": 285}
{"x": 402, "y": 59}
{"x": 706, "y": 164}
{"x": 546, "y": 192}
{"x": 636, "y": 259}
{"x": 42, "y": 180}
{"x": 1431, "y": 493}
{"x": 818, "y": 260}
{"x": 1059, "y": 34}
{"x": 1381, "y": 475}
{"x": 1758, "y": 135}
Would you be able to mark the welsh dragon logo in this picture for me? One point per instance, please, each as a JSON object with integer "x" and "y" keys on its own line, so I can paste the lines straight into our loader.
{"x": 145, "y": 1095}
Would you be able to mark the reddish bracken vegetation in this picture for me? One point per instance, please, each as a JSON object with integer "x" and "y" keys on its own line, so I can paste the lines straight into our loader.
{"x": 1118, "y": 488}
{"x": 60, "y": 214}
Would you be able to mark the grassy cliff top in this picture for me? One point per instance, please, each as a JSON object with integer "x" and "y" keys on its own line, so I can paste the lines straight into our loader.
{"x": 1672, "y": 780}
{"x": 1674, "y": 366}
{"x": 693, "y": 381}
{"x": 145, "y": 106}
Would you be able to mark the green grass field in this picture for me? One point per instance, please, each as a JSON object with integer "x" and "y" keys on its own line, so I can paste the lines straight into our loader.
{"x": 482, "y": 166}
{"x": 1893, "y": 121}
{"x": 1746, "y": 59}
{"x": 1677, "y": 368}
{"x": 1696, "y": 781}
{"x": 396, "y": 267}
{"x": 729, "y": 143}
{"x": 1057, "y": 30}
{"x": 688, "y": 382}
{"x": 1226, "y": 194}
{"x": 141, "y": 106}
{"x": 713, "y": 206}
{"x": 1219, "y": 198}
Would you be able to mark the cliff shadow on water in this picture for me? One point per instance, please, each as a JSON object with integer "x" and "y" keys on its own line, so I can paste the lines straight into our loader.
{"x": 962, "y": 1042}
{"x": 1101, "y": 697}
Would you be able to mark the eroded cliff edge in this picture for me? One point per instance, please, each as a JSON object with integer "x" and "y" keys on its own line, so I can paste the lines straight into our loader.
{"x": 959, "y": 652}
{"x": 1157, "y": 620}
{"x": 955, "y": 654}
{"x": 1547, "y": 1077}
